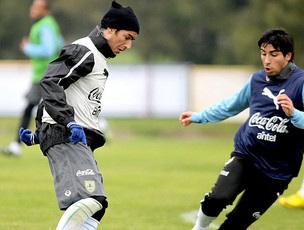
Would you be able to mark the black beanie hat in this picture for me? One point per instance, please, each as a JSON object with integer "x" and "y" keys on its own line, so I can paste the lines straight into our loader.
{"x": 120, "y": 18}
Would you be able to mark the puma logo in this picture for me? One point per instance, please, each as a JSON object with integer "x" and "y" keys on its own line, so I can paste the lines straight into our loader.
{"x": 269, "y": 94}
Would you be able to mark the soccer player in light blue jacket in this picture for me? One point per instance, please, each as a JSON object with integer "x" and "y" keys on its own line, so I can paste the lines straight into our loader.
{"x": 268, "y": 147}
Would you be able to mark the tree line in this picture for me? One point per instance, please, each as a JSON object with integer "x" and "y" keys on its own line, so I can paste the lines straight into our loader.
{"x": 194, "y": 31}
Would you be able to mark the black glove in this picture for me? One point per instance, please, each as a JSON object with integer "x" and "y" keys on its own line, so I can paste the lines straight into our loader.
{"x": 77, "y": 133}
{"x": 27, "y": 137}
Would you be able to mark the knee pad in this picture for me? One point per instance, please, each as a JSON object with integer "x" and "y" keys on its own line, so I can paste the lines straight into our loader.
{"x": 102, "y": 200}
{"x": 98, "y": 215}
{"x": 78, "y": 213}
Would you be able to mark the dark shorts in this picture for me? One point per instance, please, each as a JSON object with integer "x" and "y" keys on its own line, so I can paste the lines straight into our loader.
{"x": 258, "y": 193}
{"x": 75, "y": 173}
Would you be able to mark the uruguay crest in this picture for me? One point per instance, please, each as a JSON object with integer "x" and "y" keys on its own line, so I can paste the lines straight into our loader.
{"x": 90, "y": 185}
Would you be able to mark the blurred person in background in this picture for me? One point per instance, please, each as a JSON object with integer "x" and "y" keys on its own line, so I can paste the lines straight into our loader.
{"x": 268, "y": 147}
{"x": 41, "y": 46}
{"x": 67, "y": 121}
{"x": 295, "y": 200}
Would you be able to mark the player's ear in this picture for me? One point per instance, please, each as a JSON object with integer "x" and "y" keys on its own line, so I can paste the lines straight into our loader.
{"x": 107, "y": 33}
{"x": 288, "y": 56}
{"x": 110, "y": 30}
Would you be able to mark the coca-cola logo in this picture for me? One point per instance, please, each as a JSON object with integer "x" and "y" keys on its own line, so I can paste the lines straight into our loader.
{"x": 85, "y": 172}
{"x": 95, "y": 95}
{"x": 274, "y": 124}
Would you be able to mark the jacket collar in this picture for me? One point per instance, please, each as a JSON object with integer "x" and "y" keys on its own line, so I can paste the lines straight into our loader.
{"x": 101, "y": 43}
{"x": 284, "y": 74}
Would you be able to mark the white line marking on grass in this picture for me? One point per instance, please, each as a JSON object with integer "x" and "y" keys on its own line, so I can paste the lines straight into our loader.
{"x": 190, "y": 217}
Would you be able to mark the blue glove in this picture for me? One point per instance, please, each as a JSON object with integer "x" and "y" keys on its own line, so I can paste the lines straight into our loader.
{"x": 27, "y": 137}
{"x": 77, "y": 133}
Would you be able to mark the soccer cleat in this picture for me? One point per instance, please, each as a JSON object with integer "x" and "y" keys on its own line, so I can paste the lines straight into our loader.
{"x": 293, "y": 201}
{"x": 13, "y": 149}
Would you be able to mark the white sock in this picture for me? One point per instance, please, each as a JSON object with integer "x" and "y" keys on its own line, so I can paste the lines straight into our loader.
{"x": 302, "y": 190}
{"x": 203, "y": 221}
{"x": 78, "y": 213}
{"x": 90, "y": 224}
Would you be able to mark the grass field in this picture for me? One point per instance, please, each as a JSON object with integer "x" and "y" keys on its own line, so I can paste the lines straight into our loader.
{"x": 155, "y": 174}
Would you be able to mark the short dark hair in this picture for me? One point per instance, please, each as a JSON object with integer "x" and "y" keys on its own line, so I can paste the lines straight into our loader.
{"x": 279, "y": 39}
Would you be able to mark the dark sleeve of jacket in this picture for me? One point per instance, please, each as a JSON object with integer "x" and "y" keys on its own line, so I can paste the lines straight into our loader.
{"x": 75, "y": 61}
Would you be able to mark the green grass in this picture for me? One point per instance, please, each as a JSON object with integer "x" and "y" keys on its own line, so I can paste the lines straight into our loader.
{"x": 154, "y": 169}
